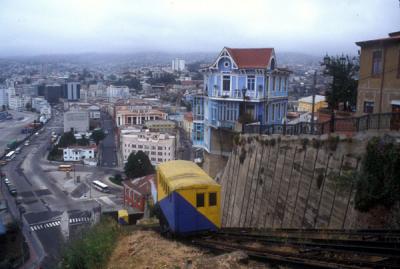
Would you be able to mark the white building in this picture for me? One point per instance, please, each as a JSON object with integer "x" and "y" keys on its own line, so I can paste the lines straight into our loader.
{"x": 3, "y": 97}
{"x": 178, "y": 64}
{"x": 39, "y": 102}
{"x": 96, "y": 90}
{"x": 118, "y": 92}
{"x": 18, "y": 102}
{"x": 94, "y": 112}
{"x": 76, "y": 121}
{"x": 43, "y": 107}
{"x": 157, "y": 146}
{"x": 78, "y": 153}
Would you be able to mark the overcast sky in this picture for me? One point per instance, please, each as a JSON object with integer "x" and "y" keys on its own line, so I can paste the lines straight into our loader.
{"x": 76, "y": 26}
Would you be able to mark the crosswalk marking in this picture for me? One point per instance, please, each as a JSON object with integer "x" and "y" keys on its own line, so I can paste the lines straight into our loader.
{"x": 55, "y": 223}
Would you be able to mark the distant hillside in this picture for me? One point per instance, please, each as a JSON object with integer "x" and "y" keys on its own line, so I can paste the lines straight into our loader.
{"x": 152, "y": 58}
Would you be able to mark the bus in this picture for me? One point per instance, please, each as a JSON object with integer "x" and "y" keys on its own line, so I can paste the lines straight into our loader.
{"x": 65, "y": 167}
{"x": 100, "y": 186}
{"x": 10, "y": 155}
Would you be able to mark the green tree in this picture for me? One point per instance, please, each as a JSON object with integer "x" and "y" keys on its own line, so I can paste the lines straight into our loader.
{"x": 83, "y": 141}
{"x": 98, "y": 135}
{"x": 67, "y": 139}
{"x": 28, "y": 106}
{"x": 165, "y": 79}
{"x": 138, "y": 165}
{"x": 343, "y": 88}
{"x": 130, "y": 82}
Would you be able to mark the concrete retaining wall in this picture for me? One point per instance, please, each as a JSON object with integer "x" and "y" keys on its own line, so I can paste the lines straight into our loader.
{"x": 290, "y": 182}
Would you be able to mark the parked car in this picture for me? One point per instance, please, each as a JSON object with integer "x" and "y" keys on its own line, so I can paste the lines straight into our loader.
{"x": 26, "y": 143}
{"x": 12, "y": 189}
{"x": 7, "y": 181}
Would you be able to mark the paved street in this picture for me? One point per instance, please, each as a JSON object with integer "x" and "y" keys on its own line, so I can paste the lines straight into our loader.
{"x": 185, "y": 146}
{"x": 43, "y": 197}
{"x": 109, "y": 155}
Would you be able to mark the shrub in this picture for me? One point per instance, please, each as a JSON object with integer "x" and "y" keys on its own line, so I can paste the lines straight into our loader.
{"x": 378, "y": 181}
{"x": 94, "y": 248}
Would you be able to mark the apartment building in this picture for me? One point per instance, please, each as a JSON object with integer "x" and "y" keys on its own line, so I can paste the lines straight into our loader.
{"x": 135, "y": 113}
{"x": 3, "y": 97}
{"x": 18, "y": 102}
{"x": 117, "y": 92}
{"x": 158, "y": 147}
{"x": 379, "y": 78}
{"x": 76, "y": 121}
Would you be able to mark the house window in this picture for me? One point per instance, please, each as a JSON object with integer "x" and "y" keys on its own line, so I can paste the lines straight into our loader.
{"x": 226, "y": 64}
{"x": 368, "y": 107}
{"x": 212, "y": 199}
{"x": 226, "y": 83}
{"x": 251, "y": 81}
{"x": 273, "y": 83}
{"x": 199, "y": 199}
{"x": 376, "y": 63}
{"x": 273, "y": 112}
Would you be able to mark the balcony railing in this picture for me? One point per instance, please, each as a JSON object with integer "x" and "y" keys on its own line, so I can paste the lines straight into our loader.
{"x": 384, "y": 121}
{"x": 237, "y": 94}
{"x": 222, "y": 124}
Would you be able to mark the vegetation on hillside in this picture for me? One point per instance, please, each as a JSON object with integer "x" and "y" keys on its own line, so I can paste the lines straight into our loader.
{"x": 378, "y": 182}
{"x": 93, "y": 249}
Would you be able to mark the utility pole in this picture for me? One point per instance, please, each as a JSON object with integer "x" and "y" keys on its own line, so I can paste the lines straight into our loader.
{"x": 313, "y": 101}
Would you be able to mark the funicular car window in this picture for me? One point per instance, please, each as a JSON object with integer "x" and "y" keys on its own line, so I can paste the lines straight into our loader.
{"x": 212, "y": 199}
{"x": 199, "y": 199}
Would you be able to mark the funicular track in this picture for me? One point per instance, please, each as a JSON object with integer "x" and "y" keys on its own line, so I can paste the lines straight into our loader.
{"x": 310, "y": 248}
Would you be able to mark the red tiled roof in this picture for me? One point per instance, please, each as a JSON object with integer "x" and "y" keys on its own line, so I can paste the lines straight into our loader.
{"x": 141, "y": 185}
{"x": 251, "y": 58}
